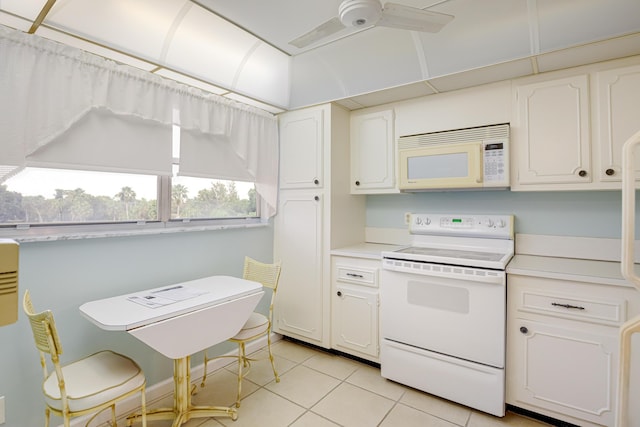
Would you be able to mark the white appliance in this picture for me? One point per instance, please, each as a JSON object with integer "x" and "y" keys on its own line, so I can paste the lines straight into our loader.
{"x": 460, "y": 159}
{"x": 625, "y": 414}
{"x": 443, "y": 308}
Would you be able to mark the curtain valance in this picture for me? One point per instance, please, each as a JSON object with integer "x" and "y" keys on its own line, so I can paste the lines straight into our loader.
{"x": 47, "y": 88}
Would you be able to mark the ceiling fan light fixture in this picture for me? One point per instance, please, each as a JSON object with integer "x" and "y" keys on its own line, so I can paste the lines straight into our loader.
{"x": 359, "y": 13}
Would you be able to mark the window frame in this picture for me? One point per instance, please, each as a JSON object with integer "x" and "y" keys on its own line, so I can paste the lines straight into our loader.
{"x": 23, "y": 232}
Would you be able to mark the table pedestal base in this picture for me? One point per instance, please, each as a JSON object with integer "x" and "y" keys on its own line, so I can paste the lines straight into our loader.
{"x": 183, "y": 410}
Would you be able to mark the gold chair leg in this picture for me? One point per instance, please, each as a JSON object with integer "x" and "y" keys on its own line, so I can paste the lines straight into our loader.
{"x": 242, "y": 360}
{"x": 113, "y": 414}
{"x": 143, "y": 407}
{"x": 273, "y": 365}
{"x": 47, "y": 414}
{"x": 204, "y": 376}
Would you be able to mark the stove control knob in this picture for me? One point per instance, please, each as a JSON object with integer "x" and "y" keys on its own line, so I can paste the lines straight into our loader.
{"x": 488, "y": 222}
{"x": 418, "y": 220}
{"x": 501, "y": 224}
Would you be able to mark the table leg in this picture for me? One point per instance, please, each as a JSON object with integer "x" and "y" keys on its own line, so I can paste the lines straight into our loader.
{"x": 183, "y": 410}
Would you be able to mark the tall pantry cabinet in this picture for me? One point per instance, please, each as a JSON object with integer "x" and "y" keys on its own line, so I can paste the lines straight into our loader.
{"x": 316, "y": 213}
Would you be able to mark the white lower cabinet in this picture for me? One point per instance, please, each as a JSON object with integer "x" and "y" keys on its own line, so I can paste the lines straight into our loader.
{"x": 354, "y": 307}
{"x": 562, "y": 348}
{"x": 300, "y": 304}
{"x": 566, "y": 370}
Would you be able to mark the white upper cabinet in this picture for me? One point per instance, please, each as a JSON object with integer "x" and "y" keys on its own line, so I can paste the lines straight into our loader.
{"x": 373, "y": 153}
{"x": 301, "y": 143}
{"x": 568, "y": 127}
{"x": 617, "y": 107}
{"x": 551, "y": 132}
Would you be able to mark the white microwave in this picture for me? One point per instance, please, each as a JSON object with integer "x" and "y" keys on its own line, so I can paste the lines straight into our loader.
{"x": 472, "y": 158}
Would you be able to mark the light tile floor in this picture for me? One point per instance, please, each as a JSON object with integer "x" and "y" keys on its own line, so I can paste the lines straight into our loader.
{"x": 319, "y": 389}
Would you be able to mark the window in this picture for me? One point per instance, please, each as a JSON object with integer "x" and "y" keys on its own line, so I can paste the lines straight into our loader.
{"x": 98, "y": 148}
{"x": 207, "y": 198}
{"x": 39, "y": 196}
{"x": 59, "y": 196}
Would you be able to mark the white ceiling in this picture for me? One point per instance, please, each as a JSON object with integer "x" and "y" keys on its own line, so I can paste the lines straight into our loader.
{"x": 240, "y": 49}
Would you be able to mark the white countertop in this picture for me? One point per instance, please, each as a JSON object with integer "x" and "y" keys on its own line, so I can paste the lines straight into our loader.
{"x": 365, "y": 250}
{"x": 590, "y": 271}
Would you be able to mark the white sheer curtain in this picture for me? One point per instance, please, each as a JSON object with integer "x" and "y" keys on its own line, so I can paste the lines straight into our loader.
{"x": 47, "y": 87}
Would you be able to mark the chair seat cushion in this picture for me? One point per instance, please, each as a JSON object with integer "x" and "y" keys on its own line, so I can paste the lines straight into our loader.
{"x": 94, "y": 380}
{"x": 257, "y": 325}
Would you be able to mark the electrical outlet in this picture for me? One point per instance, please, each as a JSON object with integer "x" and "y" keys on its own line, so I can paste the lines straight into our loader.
{"x": 2, "y": 419}
{"x": 407, "y": 218}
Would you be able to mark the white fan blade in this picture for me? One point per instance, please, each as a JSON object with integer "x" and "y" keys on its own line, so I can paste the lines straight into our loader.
{"x": 411, "y": 18}
{"x": 323, "y": 30}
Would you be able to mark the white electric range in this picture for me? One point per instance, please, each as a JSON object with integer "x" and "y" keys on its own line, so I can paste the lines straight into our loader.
{"x": 443, "y": 308}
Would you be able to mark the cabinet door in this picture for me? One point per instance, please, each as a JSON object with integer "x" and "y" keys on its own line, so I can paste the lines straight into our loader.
{"x": 299, "y": 304}
{"x": 618, "y": 118}
{"x": 355, "y": 320}
{"x": 567, "y": 371}
{"x": 302, "y": 135}
{"x": 372, "y": 153}
{"x": 551, "y": 132}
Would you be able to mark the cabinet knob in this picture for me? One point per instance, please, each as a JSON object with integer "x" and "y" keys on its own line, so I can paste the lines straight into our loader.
{"x": 316, "y": 181}
{"x": 316, "y": 198}
{"x": 339, "y": 293}
{"x": 610, "y": 172}
{"x": 582, "y": 173}
{"x": 524, "y": 329}
{"x": 357, "y": 182}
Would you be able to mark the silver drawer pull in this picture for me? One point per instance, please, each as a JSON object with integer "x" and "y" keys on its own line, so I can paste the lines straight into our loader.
{"x": 567, "y": 306}
{"x": 359, "y": 276}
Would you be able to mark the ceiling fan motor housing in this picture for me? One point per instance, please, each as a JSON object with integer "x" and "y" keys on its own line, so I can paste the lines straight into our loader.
{"x": 358, "y": 13}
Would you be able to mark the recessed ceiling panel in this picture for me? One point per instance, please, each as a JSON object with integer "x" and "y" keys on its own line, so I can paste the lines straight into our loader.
{"x": 479, "y": 35}
{"x": 139, "y": 27}
{"x": 209, "y": 47}
{"x": 93, "y": 48}
{"x": 29, "y": 9}
{"x": 573, "y": 22}
{"x": 278, "y": 21}
{"x": 368, "y": 61}
{"x": 265, "y": 75}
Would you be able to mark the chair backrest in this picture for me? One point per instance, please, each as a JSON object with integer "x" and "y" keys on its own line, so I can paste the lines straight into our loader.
{"x": 43, "y": 327}
{"x": 267, "y": 274}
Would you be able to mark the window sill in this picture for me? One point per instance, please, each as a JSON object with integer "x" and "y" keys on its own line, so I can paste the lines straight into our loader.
{"x": 76, "y": 232}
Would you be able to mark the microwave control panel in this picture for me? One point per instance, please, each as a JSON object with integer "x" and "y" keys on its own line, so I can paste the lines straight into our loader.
{"x": 494, "y": 154}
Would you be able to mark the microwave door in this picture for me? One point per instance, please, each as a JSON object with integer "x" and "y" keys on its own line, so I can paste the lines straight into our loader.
{"x": 441, "y": 167}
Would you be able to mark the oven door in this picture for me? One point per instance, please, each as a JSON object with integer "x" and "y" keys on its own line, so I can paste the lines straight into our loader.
{"x": 458, "y": 312}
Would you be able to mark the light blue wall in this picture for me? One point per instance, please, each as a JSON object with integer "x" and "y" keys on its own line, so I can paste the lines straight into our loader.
{"x": 61, "y": 275}
{"x": 576, "y": 213}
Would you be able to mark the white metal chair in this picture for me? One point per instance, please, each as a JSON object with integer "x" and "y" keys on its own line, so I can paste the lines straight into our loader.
{"x": 88, "y": 385}
{"x": 258, "y": 325}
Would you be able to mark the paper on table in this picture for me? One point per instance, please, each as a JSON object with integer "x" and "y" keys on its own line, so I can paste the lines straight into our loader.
{"x": 162, "y": 297}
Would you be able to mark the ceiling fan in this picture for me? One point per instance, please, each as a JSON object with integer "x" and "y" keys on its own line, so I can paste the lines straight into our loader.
{"x": 366, "y": 13}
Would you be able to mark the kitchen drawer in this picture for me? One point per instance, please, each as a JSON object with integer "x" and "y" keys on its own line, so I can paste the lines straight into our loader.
{"x": 607, "y": 312}
{"x": 361, "y": 276}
